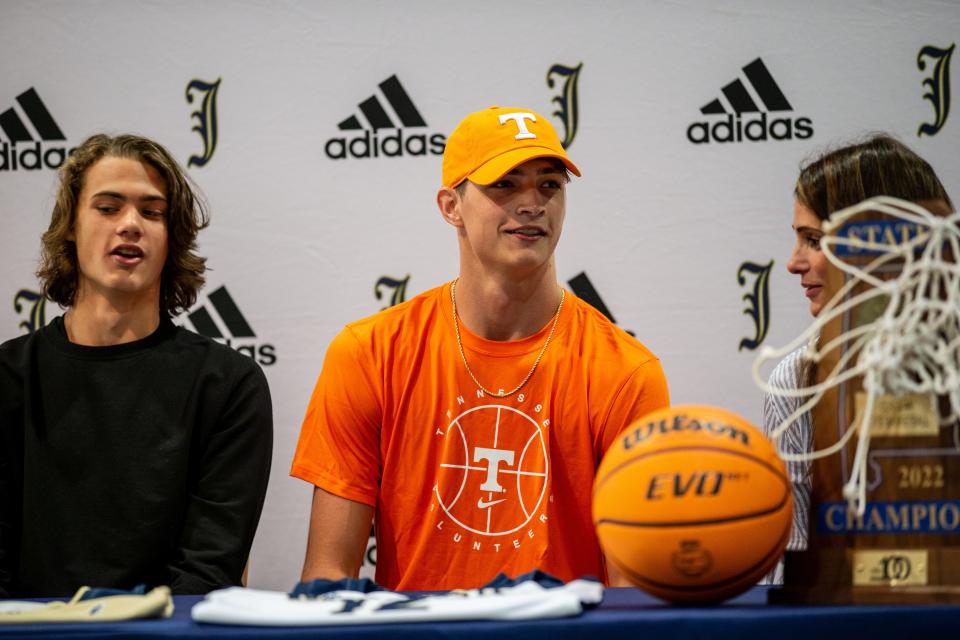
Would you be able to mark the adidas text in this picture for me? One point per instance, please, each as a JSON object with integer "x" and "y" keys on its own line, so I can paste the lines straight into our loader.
{"x": 30, "y": 157}
{"x": 264, "y": 354}
{"x": 395, "y": 145}
{"x": 759, "y": 129}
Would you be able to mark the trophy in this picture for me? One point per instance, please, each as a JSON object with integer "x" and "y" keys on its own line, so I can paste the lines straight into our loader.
{"x": 883, "y": 391}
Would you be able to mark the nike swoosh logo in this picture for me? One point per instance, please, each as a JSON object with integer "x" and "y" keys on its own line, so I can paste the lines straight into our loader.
{"x": 483, "y": 505}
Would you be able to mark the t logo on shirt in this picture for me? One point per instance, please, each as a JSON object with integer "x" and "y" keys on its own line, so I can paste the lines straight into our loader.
{"x": 493, "y": 457}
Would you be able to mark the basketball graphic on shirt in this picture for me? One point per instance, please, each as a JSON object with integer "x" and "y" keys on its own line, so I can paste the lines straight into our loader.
{"x": 493, "y": 470}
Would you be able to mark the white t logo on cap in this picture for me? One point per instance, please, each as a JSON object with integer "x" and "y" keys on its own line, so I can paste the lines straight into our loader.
{"x": 520, "y": 118}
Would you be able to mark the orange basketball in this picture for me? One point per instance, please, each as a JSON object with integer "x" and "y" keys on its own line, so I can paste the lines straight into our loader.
{"x": 692, "y": 504}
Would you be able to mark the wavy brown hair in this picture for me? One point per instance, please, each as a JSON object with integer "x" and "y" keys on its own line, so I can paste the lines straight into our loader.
{"x": 878, "y": 166}
{"x": 182, "y": 275}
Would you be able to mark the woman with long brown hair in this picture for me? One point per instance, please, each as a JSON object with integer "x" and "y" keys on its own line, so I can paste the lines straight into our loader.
{"x": 840, "y": 178}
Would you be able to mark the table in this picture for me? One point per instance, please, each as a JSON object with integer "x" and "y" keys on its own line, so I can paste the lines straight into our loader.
{"x": 624, "y": 613}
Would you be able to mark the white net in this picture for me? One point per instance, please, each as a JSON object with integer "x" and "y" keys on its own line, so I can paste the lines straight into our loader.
{"x": 912, "y": 347}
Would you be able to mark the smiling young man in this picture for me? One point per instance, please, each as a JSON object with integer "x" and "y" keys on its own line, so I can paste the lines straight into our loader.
{"x": 469, "y": 421}
{"x": 133, "y": 451}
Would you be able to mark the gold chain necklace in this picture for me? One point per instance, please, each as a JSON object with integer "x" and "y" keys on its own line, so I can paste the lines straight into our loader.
{"x": 463, "y": 356}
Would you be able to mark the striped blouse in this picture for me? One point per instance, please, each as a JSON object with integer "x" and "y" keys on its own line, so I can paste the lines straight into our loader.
{"x": 796, "y": 439}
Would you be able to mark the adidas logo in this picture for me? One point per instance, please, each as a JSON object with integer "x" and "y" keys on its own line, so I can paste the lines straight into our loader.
{"x": 237, "y": 327}
{"x": 741, "y": 100}
{"x": 581, "y": 285}
{"x": 376, "y": 116}
{"x": 16, "y": 152}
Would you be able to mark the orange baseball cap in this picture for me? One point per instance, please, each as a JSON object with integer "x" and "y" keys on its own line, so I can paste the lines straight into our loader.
{"x": 489, "y": 143}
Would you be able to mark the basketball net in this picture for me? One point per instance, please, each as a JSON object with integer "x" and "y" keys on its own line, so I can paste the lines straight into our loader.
{"x": 913, "y": 346}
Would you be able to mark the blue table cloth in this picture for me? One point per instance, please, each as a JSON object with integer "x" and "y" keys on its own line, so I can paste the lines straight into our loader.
{"x": 624, "y": 613}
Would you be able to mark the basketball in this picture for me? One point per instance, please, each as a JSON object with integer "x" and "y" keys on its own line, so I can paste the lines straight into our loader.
{"x": 692, "y": 504}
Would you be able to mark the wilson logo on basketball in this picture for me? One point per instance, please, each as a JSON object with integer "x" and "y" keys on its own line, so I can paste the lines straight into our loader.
{"x": 682, "y": 422}
{"x": 493, "y": 470}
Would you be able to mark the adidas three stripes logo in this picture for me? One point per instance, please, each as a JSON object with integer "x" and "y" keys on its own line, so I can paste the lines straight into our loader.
{"x": 378, "y": 118}
{"x": 38, "y": 115}
{"x": 740, "y": 99}
{"x": 229, "y": 314}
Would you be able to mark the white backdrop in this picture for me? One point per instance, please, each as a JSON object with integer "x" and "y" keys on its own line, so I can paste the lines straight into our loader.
{"x": 659, "y": 225}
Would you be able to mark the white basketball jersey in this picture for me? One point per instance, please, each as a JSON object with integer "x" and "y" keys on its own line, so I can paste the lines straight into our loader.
{"x": 526, "y": 600}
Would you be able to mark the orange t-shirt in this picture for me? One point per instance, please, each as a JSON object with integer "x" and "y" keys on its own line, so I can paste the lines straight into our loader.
{"x": 466, "y": 485}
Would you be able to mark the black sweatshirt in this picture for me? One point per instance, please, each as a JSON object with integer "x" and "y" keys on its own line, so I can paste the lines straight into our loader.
{"x": 144, "y": 462}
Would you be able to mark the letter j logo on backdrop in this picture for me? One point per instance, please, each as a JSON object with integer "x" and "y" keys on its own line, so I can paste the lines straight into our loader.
{"x": 205, "y": 117}
{"x": 937, "y": 85}
{"x": 33, "y": 305}
{"x": 758, "y": 301}
{"x": 567, "y": 100}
